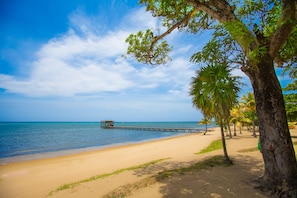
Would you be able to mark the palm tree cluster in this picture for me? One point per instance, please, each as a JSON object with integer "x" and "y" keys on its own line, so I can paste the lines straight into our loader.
{"x": 244, "y": 113}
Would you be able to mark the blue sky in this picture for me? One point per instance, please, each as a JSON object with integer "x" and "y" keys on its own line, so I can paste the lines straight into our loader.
{"x": 62, "y": 61}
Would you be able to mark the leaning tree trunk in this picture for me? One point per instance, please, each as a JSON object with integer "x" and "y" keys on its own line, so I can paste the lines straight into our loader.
{"x": 280, "y": 174}
{"x": 227, "y": 160}
{"x": 205, "y": 129}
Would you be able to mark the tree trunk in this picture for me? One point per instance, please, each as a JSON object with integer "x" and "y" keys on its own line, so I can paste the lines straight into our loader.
{"x": 254, "y": 128}
{"x": 226, "y": 157}
{"x": 234, "y": 129}
{"x": 229, "y": 129}
{"x": 280, "y": 174}
{"x": 205, "y": 129}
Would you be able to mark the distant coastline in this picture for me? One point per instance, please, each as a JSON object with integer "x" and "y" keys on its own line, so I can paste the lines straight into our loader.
{"x": 36, "y": 140}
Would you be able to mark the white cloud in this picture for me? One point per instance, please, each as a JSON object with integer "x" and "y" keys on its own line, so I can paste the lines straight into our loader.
{"x": 84, "y": 62}
{"x": 139, "y": 19}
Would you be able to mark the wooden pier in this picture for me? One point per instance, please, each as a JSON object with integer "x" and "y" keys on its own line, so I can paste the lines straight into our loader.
{"x": 109, "y": 124}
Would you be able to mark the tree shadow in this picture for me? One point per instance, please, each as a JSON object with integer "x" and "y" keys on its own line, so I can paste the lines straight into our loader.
{"x": 238, "y": 180}
{"x": 159, "y": 167}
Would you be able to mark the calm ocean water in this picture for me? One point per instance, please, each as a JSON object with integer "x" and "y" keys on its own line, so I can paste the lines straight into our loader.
{"x": 29, "y": 140}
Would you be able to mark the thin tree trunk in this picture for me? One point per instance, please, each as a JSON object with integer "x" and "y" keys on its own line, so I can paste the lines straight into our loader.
{"x": 229, "y": 129}
{"x": 234, "y": 129}
{"x": 205, "y": 129}
{"x": 254, "y": 129}
{"x": 280, "y": 174}
{"x": 226, "y": 157}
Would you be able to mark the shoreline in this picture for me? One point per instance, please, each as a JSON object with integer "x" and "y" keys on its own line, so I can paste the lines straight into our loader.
{"x": 36, "y": 178}
{"x": 69, "y": 152}
{"x": 50, "y": 139}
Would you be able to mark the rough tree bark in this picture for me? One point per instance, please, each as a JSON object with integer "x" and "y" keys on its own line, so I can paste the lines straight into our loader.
{"x": 261, "y": 52}
{"x": 280, "y": 174}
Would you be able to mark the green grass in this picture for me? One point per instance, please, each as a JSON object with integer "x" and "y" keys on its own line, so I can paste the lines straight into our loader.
{"x": 127, "y": 189}
{"x": 214, "y": 161}
{"x": 215, "y": 145}
{"x": 74, "y": 184}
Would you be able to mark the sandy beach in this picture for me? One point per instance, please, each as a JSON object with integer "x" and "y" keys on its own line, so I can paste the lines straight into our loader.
{"x": 38, "y": 178}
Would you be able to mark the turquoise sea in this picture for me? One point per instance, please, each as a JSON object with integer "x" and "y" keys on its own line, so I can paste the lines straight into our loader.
{"x": 21, "y": 141}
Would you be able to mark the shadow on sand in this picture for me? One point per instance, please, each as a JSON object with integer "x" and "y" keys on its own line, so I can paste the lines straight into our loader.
{"x": 238, "y": 180}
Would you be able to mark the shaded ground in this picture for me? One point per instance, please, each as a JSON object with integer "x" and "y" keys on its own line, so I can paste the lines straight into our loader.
{"x": 238, "y": 180}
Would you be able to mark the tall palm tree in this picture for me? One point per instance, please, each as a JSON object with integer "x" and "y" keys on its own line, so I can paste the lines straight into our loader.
{"x": 250, "y": 108}
{"x": 214, "y": 91}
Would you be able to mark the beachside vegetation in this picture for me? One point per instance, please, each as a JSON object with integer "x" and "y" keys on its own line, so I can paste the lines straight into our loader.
{"x": 253, "y": 35}
{"x": 205, "y": 121}
{"x": 249, "y": 110}
{"x": 127, "y": 189}
{"x": 210, "y": 162}
{"x": 214, "y": 91}
{"x": 290, "y": 95}
{"x": 74, "y": 184}
{"x": 215, "y": 145}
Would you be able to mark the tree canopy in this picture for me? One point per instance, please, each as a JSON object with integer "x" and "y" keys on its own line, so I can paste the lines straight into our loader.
{"x": 250, "y": 29}
{"x": 255, "y": 35}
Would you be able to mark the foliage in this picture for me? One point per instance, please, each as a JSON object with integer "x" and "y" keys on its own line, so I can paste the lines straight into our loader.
{"x": 214, "y": 91}
{"x": 254, "y": 35}
{"x": 249, "y": 104}
{"x": 144, "y": 52}
{"x": 290, "y": 96}
{"x": 240, "y": 36}
{"x": 205, "y": 121}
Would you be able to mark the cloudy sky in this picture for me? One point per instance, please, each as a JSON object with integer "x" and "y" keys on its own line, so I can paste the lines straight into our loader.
{"x": 62, "y": 61}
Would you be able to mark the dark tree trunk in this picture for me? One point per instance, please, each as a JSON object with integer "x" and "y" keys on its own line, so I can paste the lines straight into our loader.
{"x": 229, "y": 129}
{"x": 205, "y": 129}
{"x": 280, "y": 174}
{"x": 234, "y": 129}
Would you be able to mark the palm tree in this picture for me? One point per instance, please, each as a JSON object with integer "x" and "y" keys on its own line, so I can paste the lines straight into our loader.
{"x": 234, "y": 118}
{"x": 214, "y": 91}
{"x": 250, "y": 108}
{"x": 236, "y": 115}
{"x": 205, "y": 121}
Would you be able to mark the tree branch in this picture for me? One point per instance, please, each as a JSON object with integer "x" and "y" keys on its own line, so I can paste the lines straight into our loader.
{"x": 218, "y": 9}
{"x": 286, "y": 23}
{"x": 177, "y": 25}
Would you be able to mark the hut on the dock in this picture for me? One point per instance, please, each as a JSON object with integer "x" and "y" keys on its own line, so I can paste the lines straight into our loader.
{"x": 107, "y": 124}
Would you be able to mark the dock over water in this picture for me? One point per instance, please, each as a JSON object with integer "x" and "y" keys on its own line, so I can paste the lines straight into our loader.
{"x": 109, "y": 124}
